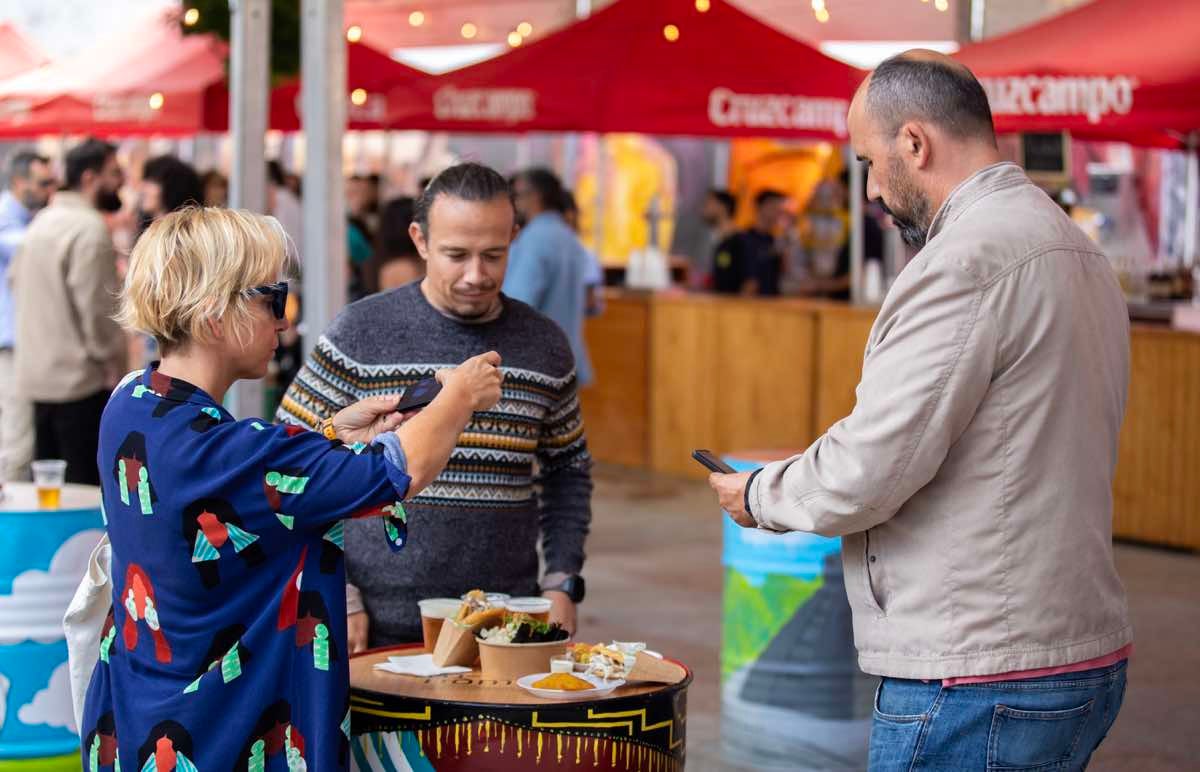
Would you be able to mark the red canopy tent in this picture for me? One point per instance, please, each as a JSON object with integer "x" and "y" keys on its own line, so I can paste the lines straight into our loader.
{"x": 153, "y": 79}
{"x": 147, "y": 78}
{"x": 1110, "y": 69}
{"x": 650, "y": 66}
{"x": 17, "y": 52}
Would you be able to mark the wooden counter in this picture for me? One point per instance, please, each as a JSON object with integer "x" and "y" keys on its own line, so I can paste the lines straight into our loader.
{"x": 676, "y": 372}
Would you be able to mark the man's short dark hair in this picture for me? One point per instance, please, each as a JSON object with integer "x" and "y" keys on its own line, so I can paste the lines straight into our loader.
{"x": 468, "y": 181}
{"x": 21, "y": 164}
{"x": 725, "y": 199}
{"x": 181, "y": 185}
{"x": 905, "y": 88}
{"x": 569, "y": 204}
{"x": 546, "y": 185}
{"x": 89, "y": 155}
{"x": 765, "y": 197}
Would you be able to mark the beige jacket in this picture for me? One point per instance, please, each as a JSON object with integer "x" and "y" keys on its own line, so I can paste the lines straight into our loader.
{"x": 973, "y": 480}
{"x": 64, "y": 281}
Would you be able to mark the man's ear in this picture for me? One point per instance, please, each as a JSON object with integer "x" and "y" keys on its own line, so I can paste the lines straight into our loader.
{"x": 915, "y": 145}
{"x": 418, "y": 238}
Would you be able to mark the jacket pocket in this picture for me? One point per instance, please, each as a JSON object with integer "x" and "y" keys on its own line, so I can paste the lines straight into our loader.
{"x": 1043, "y": 740}
{"x": 869, "y": 578}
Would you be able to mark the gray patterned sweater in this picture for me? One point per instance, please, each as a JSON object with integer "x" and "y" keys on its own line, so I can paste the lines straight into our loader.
{"x": 520, "y": 471}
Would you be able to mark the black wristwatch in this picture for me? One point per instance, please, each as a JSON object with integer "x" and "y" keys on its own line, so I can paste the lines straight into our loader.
{"x": 573, "y": 586}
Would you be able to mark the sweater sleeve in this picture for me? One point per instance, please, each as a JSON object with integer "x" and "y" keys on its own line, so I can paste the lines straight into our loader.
{"x": 324, "y": 385}
{"x": 566, "y": 484}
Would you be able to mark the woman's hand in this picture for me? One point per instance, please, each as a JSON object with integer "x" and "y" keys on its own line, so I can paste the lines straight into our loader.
{"x": 476, "y": 380}
{"x": 365, "y": 419}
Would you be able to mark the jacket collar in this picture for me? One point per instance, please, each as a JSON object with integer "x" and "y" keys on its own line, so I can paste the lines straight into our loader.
{"x": 70, "y": 198}
{"x": 989, "y": 179}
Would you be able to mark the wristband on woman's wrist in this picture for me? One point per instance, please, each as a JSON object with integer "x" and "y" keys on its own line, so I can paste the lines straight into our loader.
{"x": 326, "y": 429}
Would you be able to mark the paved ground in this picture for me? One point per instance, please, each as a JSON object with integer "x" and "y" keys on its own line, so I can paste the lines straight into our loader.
{"x": 654, "y": 574}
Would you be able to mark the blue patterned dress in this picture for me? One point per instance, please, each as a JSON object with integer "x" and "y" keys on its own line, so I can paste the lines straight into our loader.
{"x": 226, "y": 644}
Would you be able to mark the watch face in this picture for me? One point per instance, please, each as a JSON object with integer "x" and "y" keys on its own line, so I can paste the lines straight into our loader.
{"x": 575, "y": 588}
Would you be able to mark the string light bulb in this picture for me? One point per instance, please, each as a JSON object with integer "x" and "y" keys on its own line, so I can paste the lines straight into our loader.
{"x": 354, "y": 33}
{"x": 941, "y": 5}
{"x": 703, "y": 6}
{"x": 358, "y": 97}
{"x": 818, "y": 5}
{"x": 469, "y": 30}
{"x": 524, "y": 29}
{"x": 671, "y": 33}
{"x": 822, "y": 15}
{"x": 416, "y": 19}
{"x": 191, "y": 17}
{"x": 515, "y": 39}
{"x": 156, "y": 100}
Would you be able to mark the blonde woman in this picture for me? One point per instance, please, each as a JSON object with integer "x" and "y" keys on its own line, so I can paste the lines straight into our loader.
{"x": 226, "y": 644}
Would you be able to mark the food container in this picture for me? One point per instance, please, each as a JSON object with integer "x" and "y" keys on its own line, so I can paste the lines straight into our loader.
{"x": 510, "y": 661}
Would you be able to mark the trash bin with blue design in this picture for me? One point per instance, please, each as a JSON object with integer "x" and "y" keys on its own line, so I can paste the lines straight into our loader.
{"x": 792, "y": 695}
{"x": 43, "y": 556}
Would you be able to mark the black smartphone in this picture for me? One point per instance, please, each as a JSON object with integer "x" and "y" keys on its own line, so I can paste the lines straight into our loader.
{"x": 419, "y": 395}
{"x": 714, "y": 464}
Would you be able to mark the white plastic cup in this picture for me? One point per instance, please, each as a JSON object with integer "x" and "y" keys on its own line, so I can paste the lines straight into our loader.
{"x": 539, "y": 608}
{"x": 48, "y": 477}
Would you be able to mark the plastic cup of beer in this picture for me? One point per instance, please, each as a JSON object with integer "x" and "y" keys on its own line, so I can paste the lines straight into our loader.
{"x": 538, "y": 608}
{"x": 48, "y": 475}
{"x": 434, "y": 611}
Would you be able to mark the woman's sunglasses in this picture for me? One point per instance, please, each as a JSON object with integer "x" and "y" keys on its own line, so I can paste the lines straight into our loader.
{"x": 277, "y": 293}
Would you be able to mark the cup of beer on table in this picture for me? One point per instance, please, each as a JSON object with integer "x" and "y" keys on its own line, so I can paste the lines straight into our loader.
{"x": 434, "y": 611}
{"x": 48, "y": 475}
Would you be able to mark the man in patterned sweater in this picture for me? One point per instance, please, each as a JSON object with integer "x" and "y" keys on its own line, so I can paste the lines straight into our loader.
{"x": 478, "y": 525}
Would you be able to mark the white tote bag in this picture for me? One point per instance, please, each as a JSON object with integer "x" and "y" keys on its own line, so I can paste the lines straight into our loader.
{"x": 84, "y": 621}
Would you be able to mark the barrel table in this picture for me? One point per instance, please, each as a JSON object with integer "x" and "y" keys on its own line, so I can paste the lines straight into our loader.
{"x": 465, "y": 722}
{"x": 43, "y": 556}
{"x": 792, "y": 695}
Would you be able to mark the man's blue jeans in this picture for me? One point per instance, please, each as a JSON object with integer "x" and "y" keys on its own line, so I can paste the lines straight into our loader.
{"x": 1048, "y": 724}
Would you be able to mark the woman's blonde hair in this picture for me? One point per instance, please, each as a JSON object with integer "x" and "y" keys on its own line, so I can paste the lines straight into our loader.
{"x": 197, "y": 265}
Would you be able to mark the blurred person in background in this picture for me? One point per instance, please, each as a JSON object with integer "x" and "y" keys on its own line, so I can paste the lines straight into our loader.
{"x": 752, "y": 263}
{"x": 594, "y": 278}
{"x": 718, "y": 212}
{"x": 31, "y": 182}
{"x": 216, "y": 188}
{"x": 168, "y": 184}
{"x": 547, "y": 265}
{"x": 69, "y": 352}
{"x": 285, "y": 205}
{"x": 396, "y": 261}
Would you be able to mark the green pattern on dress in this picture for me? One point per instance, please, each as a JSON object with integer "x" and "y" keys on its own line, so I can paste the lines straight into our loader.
{"x": 204, "y": 550}
{"x": 396, "y": 510}
{"x": 231, "y": 664}
{"x": 258, "y": 760}
{"x": 286, "y": 483}
{"x": 139, "y": 390}
{"x": 144, "y": 491}
{"x": 94, "y": 754}
{"x": 241, "y": 539}
{"x": 287, "y": 520}
{"x": 346, "y": 725}
{"x": 336, "y": 535}
{"x": 321, "y": 647}
{"x": 295, "y": 760}
{"x": 124, "y": 486}
{"x": 211, "y": 411}
{"x": 106, "y": 643}
{"x": 257, "y": 426}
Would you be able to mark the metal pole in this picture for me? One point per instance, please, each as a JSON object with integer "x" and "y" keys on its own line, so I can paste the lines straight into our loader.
{"x": 249, "y": 76}
{"x": 857, "y": 236}
{"x": 1191, "y": 217}
{"x": 323, "y": 86}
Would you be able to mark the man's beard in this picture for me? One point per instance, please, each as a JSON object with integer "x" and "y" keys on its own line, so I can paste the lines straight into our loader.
{"x": 33, "y": 202}
{"x": 108, "y": 201}
{"x": 912, "y": 214}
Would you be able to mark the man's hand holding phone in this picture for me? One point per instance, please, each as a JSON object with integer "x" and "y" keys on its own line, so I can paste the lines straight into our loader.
{"x": 730, "y": 486}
